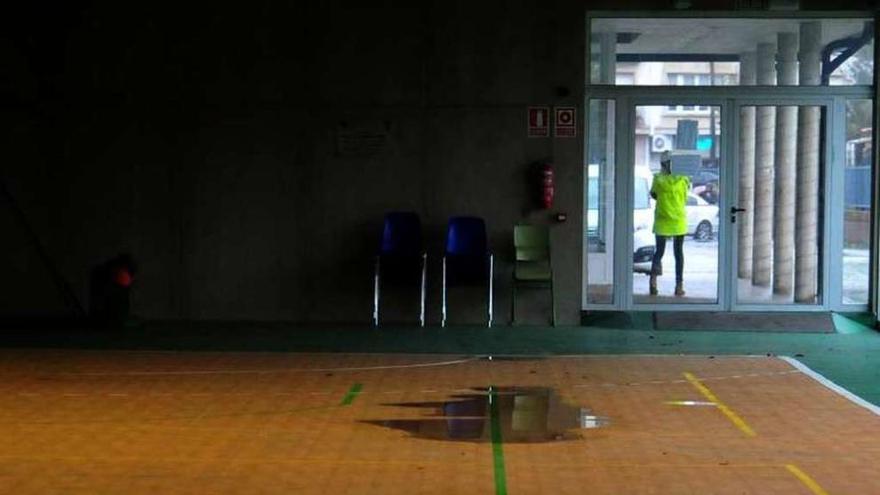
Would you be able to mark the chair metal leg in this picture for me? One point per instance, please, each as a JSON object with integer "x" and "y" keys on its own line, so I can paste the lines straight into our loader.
{"x": 443, "y": 297}
{"x": 376, "y": 294}
{"x": 552, "y": 303}
{"x": 491, "y": 283}
{"x": 422, "y": 310}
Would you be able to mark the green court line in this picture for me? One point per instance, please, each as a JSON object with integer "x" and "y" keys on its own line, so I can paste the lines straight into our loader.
{"x": 351, "y": 395}
{"x": 497, "y": 450}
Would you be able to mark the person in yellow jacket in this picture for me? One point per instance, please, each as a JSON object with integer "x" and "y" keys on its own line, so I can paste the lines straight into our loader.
{"x": 670, "y": 220}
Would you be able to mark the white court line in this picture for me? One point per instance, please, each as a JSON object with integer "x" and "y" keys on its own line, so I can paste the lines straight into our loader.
{"x": 279, "y": 370}
{"x": 385, "y": 367}
{"x": 803, "y": 368}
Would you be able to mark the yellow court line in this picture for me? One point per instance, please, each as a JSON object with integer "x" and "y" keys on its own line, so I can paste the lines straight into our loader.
{"x": 806, "y": 480}
{"x": 732, "y": 416}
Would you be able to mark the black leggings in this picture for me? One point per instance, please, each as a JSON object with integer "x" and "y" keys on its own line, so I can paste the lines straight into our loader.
{"x": 678, "y": 251}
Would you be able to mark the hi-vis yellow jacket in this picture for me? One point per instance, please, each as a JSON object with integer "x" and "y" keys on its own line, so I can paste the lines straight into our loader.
{"x": 671, "y": 193}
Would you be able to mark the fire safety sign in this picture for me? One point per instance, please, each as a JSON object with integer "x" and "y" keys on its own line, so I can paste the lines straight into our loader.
{"x": 566, "y": 123}
{"x": 539, "y": 122}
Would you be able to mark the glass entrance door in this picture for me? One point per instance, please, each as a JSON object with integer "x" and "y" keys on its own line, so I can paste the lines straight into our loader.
{"x": 780, "y": 206}
{"x": 676, "y": 199}
{"x": 773, "y": 214}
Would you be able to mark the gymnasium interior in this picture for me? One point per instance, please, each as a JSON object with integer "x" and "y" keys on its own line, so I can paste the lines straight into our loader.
{"x": 413, "y": 247}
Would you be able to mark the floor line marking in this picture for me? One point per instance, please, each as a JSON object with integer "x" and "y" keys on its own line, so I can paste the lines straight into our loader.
{"x": 497, "y": 448}
{"x": 352, "y": 394}
{"x": 690, "y": 403}
{"x": 670, "y": 382}
{"x": 727, "y": 411}
{"x": 271, "y": 371}
{"x": 806, "y": 480}
{"x": 803, "y": 368}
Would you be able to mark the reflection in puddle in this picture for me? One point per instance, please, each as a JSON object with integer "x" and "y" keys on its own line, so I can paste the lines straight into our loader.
{"x": 528, "y": 414}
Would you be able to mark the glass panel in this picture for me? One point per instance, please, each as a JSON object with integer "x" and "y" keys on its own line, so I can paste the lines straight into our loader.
{"x": 712, "y": 51}
{"x": 780, "y": 188}
{"x": 690, "y": 205}
{"x": 857, "y": 202}
{"x": 857, "y": 69}
{"x": 599, "y": 215}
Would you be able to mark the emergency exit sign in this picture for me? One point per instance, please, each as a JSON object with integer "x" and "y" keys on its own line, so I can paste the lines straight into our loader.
{"x": 539, "y": 122}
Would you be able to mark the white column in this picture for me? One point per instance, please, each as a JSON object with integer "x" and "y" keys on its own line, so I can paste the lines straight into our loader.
{"x": 807, "y": 202}
{"x": 786, "y": 168}
{"x": 607, "y": 58}
{"x": 746, "y": 198}
{"x": 765, "y": 132}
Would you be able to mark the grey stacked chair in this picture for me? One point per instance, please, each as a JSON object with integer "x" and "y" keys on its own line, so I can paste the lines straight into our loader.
{"x": 534, "y": 267}
{"x": 401, "y": 258}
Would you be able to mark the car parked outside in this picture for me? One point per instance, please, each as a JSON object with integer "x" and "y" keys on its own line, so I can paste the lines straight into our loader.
{"x": 643, "y": 217}
{"x": 704, "y": 176}
{"x": 702, "y": 218}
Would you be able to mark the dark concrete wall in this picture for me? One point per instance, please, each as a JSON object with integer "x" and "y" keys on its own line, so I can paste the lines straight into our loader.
{"x": 203, "y": 140}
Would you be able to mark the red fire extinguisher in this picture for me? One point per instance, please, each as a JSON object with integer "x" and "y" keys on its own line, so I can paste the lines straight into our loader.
{"x": 548, "y": 188}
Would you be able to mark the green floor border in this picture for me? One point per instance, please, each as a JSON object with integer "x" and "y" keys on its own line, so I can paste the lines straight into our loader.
{"x": 852, "y": 323}
{"x": 850, "y": 358}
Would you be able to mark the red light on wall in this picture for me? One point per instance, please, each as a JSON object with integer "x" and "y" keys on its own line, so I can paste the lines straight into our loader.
{"x": 122, "y": 277}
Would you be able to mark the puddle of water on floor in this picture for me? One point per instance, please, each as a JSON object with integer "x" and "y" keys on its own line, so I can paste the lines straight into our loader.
{"x": 527, "y": 415}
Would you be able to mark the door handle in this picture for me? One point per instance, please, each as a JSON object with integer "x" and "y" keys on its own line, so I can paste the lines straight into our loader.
{"x": 733, "y": 211}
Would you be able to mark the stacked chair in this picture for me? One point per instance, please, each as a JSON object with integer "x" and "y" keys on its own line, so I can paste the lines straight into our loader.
{"x": 533, "y": 266}
{"x": 401, "y": 259}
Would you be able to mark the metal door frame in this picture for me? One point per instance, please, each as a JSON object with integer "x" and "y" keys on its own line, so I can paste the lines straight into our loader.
{"x": 625, "y": 177}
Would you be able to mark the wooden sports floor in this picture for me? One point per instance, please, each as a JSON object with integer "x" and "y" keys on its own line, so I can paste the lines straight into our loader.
{"x": 204, "y": 423}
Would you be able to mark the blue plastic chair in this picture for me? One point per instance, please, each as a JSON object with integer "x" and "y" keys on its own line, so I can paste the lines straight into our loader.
{"x": 401, "y": 257}
{"x": 467, "y": 259}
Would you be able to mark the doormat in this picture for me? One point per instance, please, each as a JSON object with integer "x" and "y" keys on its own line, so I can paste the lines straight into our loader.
{"x": 745, "y": 322}
{"x": 620, "y": 320}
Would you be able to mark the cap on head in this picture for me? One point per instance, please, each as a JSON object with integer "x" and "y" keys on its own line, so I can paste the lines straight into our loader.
{"x": 665, "y": 157}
